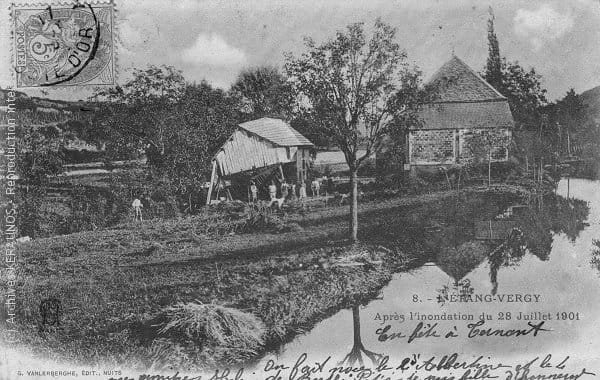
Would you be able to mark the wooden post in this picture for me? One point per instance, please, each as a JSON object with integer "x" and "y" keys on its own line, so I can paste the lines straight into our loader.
{"x": 212, "y": 177}
{"x": 447, "y": 178}
{"x": 298, "y": 166}
{"x": 490, "y": 168}
{"x": 281, "y": 172}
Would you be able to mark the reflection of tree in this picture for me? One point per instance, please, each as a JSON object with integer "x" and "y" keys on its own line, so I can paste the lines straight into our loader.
{"x": 534, "y": 232}
{"x": 508, "y": 253}
{"x": 596, "y": 255}
{"x": 567, "y": 216}
{"x": 558, "y": 215}
{"x": 358, "y": 349}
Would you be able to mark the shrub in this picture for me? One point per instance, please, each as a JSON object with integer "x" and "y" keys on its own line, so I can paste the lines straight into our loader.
{"x": 260, "y": 218}
{"x": 368, "y": 169}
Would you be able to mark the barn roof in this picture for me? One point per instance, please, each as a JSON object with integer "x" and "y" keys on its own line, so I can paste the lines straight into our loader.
{"x": 276, "y": 131}
{"x": 466, "y": 115}
{"x": 259, "y": 143}
{"x": 459, "y": 83}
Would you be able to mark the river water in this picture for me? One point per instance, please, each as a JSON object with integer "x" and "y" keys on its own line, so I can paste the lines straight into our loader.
{"x": 554, "y": 271}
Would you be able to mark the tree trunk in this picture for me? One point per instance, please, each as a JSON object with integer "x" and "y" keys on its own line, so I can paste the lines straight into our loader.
{"x": 356, "y": 326}
{"x": 354, "y": 205}
{"x": 490, "y": 169}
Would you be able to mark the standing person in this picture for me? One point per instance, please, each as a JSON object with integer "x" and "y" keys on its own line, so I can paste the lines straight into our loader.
{"x": 253, "y": 192}
{"x": 294, "y": 194}
{"x": 137, "y": 209}
{"x": 272, "y": 191}
{"x": 284, "y": 189}
{"x": 302, "y": 193}
{"x": 315, "y": 187}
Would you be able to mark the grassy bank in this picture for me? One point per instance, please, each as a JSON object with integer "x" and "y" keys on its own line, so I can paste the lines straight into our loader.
{"x": 120, "y": 288}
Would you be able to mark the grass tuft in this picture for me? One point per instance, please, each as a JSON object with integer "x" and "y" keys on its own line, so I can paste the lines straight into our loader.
{"x": 215, "y": 325}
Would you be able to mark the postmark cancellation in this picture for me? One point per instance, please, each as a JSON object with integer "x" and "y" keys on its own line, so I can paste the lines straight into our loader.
{"x": 65, "y": 44}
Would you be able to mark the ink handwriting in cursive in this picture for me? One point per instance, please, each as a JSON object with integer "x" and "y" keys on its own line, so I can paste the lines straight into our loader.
{"x": 474, "y": 330}
{"x": 414, "y": 367}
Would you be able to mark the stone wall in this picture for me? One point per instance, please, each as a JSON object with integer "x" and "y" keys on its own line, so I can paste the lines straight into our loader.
{"x": 447, "y": 146}
{"x": 432, "y": 147}
{"x": 475, "y": 145}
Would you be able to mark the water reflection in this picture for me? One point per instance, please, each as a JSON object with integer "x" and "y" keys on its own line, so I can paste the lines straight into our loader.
{"x": 595, "y": 261}
{"x": 539, "y": 249}
{"x": 358, "y": 349}
{"x": 506, "y": 238}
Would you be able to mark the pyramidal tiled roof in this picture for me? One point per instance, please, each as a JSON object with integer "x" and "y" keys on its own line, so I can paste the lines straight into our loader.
{"x": 276, "y": 131}
{"x": 459, "y": 83}
{"x": 460, "y": 115}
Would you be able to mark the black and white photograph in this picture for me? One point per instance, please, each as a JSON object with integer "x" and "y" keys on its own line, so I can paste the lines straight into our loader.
{"x": 300, "y": 190}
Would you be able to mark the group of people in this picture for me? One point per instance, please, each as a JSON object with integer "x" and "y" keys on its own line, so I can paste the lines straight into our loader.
{"x": 294, "y": 191}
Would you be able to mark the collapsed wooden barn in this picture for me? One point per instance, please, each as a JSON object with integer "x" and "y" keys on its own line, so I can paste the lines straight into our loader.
{"x": 262, "y": 151}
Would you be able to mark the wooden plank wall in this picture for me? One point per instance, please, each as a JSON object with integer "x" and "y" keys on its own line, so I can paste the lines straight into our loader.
{"x": 244, "y": 151}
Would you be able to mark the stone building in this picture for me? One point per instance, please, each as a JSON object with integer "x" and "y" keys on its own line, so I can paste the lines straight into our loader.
{"x": 469, "y": 119}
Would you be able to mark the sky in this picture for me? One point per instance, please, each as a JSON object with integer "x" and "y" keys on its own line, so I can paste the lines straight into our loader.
{"x": 213, "y": 40}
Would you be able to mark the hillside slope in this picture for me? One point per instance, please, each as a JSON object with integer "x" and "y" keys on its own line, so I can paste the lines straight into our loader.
{"x": 591, "y": 98}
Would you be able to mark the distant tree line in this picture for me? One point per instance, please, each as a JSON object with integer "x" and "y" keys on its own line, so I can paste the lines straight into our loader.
{"x": 545, "y": 131}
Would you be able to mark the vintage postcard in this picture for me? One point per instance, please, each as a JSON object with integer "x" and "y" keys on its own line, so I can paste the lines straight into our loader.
{"x": 300, "y": 190}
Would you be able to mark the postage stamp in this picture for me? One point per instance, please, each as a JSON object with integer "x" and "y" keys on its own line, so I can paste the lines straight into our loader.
{"x": 63, "y": 45}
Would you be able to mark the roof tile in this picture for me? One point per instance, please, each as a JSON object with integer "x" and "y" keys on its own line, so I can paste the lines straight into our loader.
{"x": 459, "y": 83}
{"x": 467, "y": 115}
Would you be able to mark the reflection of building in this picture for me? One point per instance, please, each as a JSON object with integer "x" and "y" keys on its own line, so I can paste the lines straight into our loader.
{"x": 459, "y": 261}
{"x": 268, "y": 147}
{"x": 467, "y": 109}
{"x": 493, "y": 229}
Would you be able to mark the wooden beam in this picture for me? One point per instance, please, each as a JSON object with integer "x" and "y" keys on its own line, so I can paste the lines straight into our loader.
{"x": 212, "y": 177}
{"x": 281, "y": 172}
